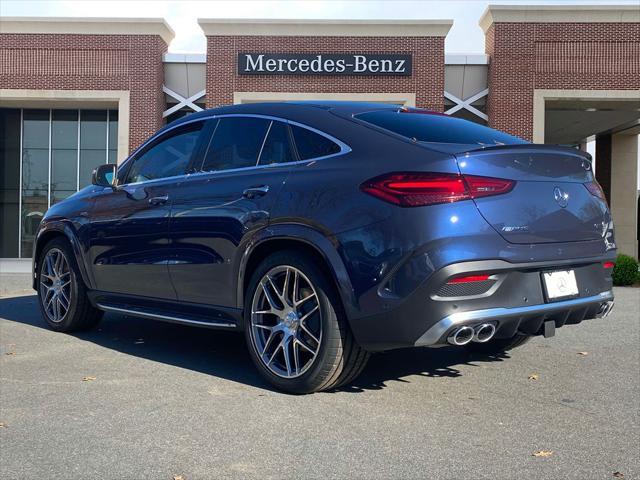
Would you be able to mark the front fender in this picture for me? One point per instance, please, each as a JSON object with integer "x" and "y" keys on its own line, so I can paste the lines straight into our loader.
{"x": 48, "y": 230}
{"x": 325, "y": 245}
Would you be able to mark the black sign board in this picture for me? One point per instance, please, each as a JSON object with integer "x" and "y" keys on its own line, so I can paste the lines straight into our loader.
{"x": 323, "y": 64}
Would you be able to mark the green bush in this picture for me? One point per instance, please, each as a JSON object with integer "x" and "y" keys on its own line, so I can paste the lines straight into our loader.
{"x": 626, "y": 270}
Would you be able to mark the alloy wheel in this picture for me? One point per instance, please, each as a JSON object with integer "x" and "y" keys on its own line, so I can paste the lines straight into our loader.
{"x": 286, "y": 323}
{"x": 55, "y": 285}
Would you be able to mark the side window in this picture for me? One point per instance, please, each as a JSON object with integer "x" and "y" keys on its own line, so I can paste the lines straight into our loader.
{"x": 236, "y": 143}
{"x": 312, "y": 145}
{"x": 168, "y": 157}
{"x": 277, "y": 146}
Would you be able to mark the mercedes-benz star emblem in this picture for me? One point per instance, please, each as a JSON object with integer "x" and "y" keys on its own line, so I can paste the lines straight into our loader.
{"x": 561, "y": 196}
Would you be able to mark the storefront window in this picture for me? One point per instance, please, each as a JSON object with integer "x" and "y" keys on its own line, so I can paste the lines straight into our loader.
{"x": 35, "y": 174}
{"x": 9, "y": 181}
{"x": 64, "y": 154}
{"x": 113, "y": 136}
{"x": 46, "y": 156}
{"x": 93, "y": 143}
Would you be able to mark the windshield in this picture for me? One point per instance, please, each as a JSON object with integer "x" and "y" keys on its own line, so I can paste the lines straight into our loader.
{"x": 426, "y": 127}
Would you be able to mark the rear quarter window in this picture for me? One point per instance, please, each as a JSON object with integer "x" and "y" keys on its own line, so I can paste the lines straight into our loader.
{"x": 426, "y": 127}
{"x": 311, "y": 144}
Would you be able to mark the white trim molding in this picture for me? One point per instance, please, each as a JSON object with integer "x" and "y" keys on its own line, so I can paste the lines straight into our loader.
{"x": 464, "y": 59}
{"x": 76, "y": 99}
{"x": 324, "y": 28}
{"x": 406, "y": 99}
{"x": 541, "y": 96}
{"x": 466, "y": 104}
{"x": 182, "y": 101}
{"x": 558, "y": 14}
{"x": 88, "y": 26}
{"x": 168, "y": 57}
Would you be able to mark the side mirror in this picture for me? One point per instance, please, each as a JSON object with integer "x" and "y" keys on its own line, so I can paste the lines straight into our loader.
{"x": 104, "y": 175}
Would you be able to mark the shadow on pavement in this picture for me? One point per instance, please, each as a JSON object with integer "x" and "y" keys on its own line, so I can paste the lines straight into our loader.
{"x": 223, "y": 354}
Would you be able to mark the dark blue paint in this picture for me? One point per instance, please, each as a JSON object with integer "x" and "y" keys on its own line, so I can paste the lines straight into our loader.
{"x": 190, "y": 253}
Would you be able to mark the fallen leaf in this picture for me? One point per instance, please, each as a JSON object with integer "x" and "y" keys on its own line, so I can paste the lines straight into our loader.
{"x": 533, "y": 376}
{"x": 584, "y": 354}
{"x": 88, "y": 379}
{"x": 178, "y": 477}
{"x": 618, "y": 474}
{"x": 3, "y": 425}
{"x": 543, "y": 453}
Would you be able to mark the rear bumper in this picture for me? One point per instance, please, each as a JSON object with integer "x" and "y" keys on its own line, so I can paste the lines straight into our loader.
{"x": 528, "y": 319}
{"x": 515, "y": 303}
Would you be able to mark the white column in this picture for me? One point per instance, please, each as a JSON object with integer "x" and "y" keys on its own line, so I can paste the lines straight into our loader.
{"x": 624, "y": 191}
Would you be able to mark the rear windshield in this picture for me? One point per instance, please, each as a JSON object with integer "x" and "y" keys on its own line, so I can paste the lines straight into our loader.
{"x": 437, "y": 128}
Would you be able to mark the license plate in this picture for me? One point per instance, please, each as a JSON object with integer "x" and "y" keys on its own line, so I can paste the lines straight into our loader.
{"x": 560, "y": 284}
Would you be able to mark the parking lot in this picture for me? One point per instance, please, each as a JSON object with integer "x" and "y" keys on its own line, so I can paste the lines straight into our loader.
{"x": 139, "y": 399}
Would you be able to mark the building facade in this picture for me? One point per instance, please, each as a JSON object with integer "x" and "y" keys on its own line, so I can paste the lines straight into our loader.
{"x": 75, "y": 93}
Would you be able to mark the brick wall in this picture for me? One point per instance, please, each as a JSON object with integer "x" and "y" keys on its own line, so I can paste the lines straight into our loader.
{"x": 427, "y": 80}
{"x": 567, "y": 56}
{"x": 91, "y": 62}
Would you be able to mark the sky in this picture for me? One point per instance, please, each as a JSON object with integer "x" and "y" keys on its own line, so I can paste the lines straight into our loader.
{"x": 464, "y": 37}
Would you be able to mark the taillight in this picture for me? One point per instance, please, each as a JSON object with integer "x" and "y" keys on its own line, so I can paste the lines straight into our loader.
{"x": 609, "y": 264}
{"x": 415, "y": 189}
{"x": 469, "y": 279}
{"x": 485, "y": 186}
{"x": 595, "y": 189}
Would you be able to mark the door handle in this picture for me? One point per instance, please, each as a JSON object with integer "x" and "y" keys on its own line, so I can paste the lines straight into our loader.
{"x": 159, "y": 200}
{"x": 254, "y": 192}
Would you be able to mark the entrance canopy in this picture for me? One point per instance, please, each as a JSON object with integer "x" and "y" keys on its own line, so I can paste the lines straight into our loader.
{"x": 575, "y": 121}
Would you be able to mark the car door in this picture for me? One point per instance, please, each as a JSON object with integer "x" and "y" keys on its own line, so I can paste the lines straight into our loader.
{"x": 129, "y": 234}
{"x": 244, "y": 167}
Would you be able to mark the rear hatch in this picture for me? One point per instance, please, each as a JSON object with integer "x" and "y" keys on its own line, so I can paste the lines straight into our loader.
{"x": 550, "y": 201}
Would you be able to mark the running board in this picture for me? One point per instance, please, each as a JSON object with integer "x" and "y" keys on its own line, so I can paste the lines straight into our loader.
{"x": 164, "y": 317}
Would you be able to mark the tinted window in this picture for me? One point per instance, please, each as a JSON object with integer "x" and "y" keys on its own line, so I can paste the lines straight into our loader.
{"x": 312, "y": 145}
{"x": 437, "y": 128}
{"x": 236, "y": 143}
{"x": 167, "y": 158}
{"x": 277, "y": 146}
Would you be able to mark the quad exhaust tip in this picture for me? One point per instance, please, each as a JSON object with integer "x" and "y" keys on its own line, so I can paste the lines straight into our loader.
{"x": 461, "y": 336}
{"x": 605, "y": 309}
{"x": 481, "y": 333}
{"x": 484, "y": 332}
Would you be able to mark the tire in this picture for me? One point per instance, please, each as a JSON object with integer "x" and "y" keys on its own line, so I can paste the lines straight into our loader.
{"x": 62, "y": 295}
{"x": 498, "y": 345}
{"x": 305, "y": 317}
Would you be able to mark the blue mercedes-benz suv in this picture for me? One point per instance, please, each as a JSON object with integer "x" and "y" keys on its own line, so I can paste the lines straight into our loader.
{"x": 326, "y": 231}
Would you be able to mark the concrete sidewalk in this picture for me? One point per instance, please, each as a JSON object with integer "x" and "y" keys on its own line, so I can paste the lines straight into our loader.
{"x": 15, "y": 284}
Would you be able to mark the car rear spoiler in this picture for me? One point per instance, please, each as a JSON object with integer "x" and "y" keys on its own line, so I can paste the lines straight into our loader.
{"x": 458, "y": 148}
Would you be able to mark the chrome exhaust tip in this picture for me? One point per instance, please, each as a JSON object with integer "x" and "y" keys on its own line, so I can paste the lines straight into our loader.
{"x": 605, "y": 309}
{"x": 461, "y": 336}
{"x": 483, "y": 333}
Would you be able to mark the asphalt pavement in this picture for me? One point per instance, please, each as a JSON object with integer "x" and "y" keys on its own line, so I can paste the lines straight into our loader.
{"x": 138, "y": 399}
